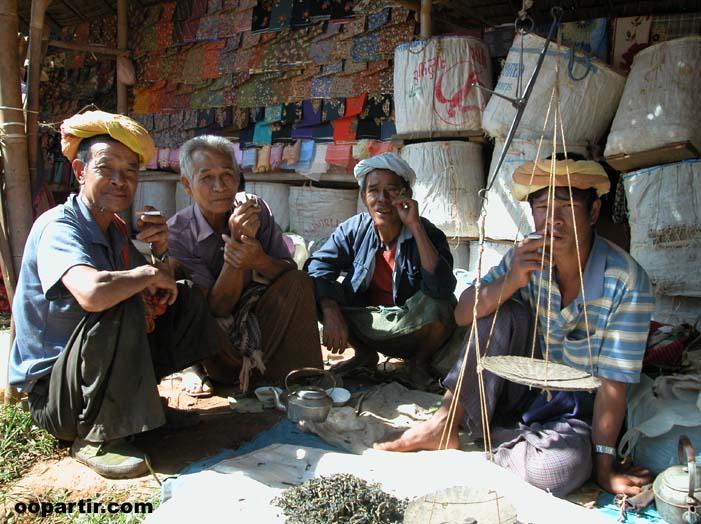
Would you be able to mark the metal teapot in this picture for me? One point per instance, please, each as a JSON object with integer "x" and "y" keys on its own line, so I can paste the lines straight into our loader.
{"x": 308, "y": 403}
{"x": 678, "y": 488}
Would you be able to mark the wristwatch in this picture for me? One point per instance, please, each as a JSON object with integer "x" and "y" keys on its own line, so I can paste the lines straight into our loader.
{"x": 606, "y": 450}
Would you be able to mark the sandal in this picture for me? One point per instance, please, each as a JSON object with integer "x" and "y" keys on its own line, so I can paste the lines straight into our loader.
{"x": 195, "y": 383}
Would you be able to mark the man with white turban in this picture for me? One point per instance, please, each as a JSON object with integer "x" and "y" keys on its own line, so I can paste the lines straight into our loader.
{"x": 397, "y": 294}
{"x": 591, "y": 305}
{"x": 89, "y": 349}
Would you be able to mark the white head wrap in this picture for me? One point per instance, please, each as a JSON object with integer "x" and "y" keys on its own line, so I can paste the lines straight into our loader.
{"x": 389, "y": 161}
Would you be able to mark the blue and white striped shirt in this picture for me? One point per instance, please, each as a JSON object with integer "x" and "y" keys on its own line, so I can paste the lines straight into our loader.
{"x": 619, "y": 304}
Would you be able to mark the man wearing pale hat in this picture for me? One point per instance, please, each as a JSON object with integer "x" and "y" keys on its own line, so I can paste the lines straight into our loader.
{"x": 397, "y": 294}
{"x": 97, "y": 326}
{"x": 592, "y": 303}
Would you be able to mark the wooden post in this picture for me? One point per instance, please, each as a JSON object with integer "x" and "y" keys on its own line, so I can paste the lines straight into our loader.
{"x": 15, "y": 159}
{"x": 122, "y": 104}
{"x": 426, "y": 29}
{"x": 17, "y": 189}
{"x": 36, "y": 31}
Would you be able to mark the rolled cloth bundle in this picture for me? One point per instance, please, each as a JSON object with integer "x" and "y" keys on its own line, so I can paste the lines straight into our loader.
{"x": 92, "y": 123}
{"x": 583, "y": 174}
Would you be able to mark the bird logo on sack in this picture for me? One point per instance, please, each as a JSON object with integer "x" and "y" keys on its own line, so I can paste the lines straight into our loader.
{"x": 453, "y": 108}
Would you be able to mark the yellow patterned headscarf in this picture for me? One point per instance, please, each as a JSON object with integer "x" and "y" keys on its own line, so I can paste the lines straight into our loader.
{"x": 122, "y": 128}
{"x": 584, "y": 174}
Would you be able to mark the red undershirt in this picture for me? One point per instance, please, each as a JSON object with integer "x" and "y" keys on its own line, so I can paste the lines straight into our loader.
{"x": 380, "y": 291}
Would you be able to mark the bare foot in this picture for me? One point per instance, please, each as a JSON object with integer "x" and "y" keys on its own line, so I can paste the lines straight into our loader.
{"x": 360, "y": 360}
{"x": 425, "y": 436}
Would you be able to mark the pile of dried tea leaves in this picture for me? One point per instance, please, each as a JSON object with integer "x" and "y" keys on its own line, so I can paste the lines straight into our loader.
{"x": 340, "y": 499}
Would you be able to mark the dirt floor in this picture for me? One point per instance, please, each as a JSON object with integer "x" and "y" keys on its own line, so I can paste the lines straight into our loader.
{"x": 169, "y": 451}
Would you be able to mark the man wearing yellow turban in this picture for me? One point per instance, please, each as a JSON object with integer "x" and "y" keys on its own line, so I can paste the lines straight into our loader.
{"x": 591, "y": 303}
{"x": 82, "y": 352}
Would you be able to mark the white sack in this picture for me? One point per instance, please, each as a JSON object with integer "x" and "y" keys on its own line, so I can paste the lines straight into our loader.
{"x": 664, "y": 206}
{"x": 661, "y": 102}
{"x": 587, "y": 106}
{"x": 433, "y": 88}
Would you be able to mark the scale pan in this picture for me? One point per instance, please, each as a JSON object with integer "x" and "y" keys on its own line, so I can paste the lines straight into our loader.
{"x": 540, "y": 374}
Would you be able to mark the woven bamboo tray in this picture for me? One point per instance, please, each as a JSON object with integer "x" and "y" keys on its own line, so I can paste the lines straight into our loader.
{"x": 541, "y": 374}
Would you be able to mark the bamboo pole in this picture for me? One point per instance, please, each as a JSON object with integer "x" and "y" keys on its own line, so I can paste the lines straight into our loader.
{"x": 17, "y": 189}
{"x": 36, "y": 32}
{"x": 14, "y": 150}
{"x": 97, "y": 49}
{"x": 425, "y": 17}
{"x": 122, "y": 103}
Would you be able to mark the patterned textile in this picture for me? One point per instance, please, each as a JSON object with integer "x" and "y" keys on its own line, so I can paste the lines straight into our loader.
{"x": 377, "y": 106}
{"x": 342, "y": 49}
{"x": 341, "y": 10}
{"x": 619, "y": 303}
{"x": 332, "y": 109}
{"x": 243, "y": 21}
{"x": 320, "y": 51}
{"x": 198, "y": 8}
{"x": 321, "y": 87}
{"x": 209, "y": 27}
{"x": 263, "y": 162}
{"x": 353, "y": 28}
{"x": 282, "y": 133}
{"x": 262, "y": 13}
{"x": 249, "y": 158}
{"x": 281, "y": 15}
{"x": 302, "y": 13}
{"x": 193, "y": 65}
{"x": 188, "y": 29}
{"x": 227, "y": 23}
{"x": 344, "y": 130}
{"x": 351, "y": 68}
{"x": 244, "y": 332}
{"x": 331, "y": 69}
{"x": 368, "y": 129}
{"x": 291, "y": 113}
{"x": 164, "y": 34}
{"x": 377, "y": 20}
{"x": 239, "y": 118}
{"x": 273, "y": 113}
{"x": 263, "y": 134}
{"x": 210, "y": 64}
{"x": 250, "y": 40}
{"x": 364, "y": 48}
{"x": 343, "y": 86}
{"x": 151, "y": 71}
{"x": 276, "y": 157}
{"x": 213, "y": 6}
{"x": 311, "y": 113}
{"x": 290, "y": 154}
{"x": 223, "y": 116}
{"x": 341, "y": 155}
{"x": 354, "y": 105}
{"x": 392, "y": 36}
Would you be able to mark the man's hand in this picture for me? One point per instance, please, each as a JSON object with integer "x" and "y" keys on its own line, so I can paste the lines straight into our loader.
{"x": 408, "y": 211}
{"x": 163, "y": 286}
{"x": 624, "y": 480}
{"x": 529, "y": 256}
{"x": 244, "y": 219}
{"x": 153, "y": 229}
{"x": 335, "y": 336}
{"x": 246, "y": 253}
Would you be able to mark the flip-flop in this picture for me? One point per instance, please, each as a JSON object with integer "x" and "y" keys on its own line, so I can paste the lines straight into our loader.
{"x": 193, "y": 378}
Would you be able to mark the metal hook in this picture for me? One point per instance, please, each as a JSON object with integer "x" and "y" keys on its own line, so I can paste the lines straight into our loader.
{"x": 524, "y": 25}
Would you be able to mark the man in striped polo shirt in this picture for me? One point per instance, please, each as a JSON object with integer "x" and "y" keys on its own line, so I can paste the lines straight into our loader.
{"x": 592, "y": 303}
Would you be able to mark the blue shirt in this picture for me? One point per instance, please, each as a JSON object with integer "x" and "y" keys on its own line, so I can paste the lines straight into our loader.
{"x": 44, "y": 311}
{"x": 619, "y": 303}
{"x": 352, "y": 248}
